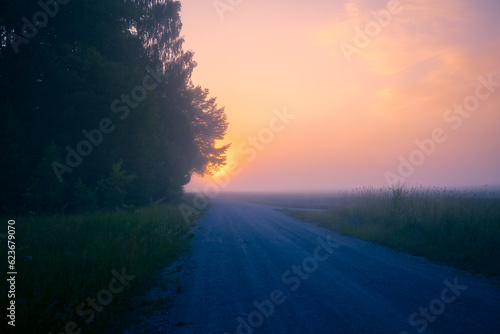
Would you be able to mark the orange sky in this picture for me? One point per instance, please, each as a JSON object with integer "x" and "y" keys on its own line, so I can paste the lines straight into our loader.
{"x": 363, "y": 80}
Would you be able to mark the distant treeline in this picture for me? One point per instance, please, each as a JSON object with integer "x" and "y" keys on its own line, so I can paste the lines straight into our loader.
{"x": 97, "y": 105}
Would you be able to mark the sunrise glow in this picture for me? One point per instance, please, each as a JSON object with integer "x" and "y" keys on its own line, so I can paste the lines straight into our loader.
{"x": 366, "y": 80}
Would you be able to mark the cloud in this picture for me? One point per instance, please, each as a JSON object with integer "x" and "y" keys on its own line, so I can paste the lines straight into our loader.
{"x": 422, "y": 30}
{"x": 427, "y": 55}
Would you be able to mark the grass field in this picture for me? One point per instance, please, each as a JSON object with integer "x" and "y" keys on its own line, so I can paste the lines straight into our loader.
{"x": 94, "y": 261}
{"x": 456, "y": 227}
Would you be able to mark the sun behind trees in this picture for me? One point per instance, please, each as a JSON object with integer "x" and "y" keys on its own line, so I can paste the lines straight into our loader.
{"x": 98, "y": 108}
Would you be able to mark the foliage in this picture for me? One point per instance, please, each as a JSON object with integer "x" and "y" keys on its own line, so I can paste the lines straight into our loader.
{"x": 85, "y": 198}
{"x": 113, "y": 189}
{"x": 44, "y": 190}
{"x": 86, "y": 65}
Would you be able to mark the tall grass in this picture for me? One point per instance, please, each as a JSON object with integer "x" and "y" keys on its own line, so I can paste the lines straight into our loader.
{"x": 461, "y": 228}
{"x": 63, "y": 259}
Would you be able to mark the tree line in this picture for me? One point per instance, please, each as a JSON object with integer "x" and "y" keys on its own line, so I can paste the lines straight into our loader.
{"x": 98, "y": 109}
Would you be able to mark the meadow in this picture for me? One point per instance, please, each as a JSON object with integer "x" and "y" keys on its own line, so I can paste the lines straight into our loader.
{"x": 458, "y": 227}
{"x": 74, "y": 272}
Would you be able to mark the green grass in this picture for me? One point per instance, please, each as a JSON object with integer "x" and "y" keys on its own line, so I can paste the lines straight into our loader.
{"x": 61, "y": 260}
{"x": 459, "y": 228}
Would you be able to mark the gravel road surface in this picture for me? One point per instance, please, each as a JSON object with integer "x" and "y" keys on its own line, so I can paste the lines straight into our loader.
{"x": 255, "y": 270}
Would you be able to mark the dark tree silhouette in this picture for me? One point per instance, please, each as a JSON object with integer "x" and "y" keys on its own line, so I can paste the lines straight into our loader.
{"x": 88, "y": 63}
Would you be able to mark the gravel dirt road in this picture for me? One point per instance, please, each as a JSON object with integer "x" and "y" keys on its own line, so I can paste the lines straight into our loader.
{"x": 255, "y": 270}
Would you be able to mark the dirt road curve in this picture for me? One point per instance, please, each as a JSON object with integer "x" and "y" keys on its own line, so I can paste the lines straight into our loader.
{"x": 254, "y": 270}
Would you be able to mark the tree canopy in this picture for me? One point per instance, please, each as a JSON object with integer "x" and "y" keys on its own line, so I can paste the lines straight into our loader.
{"x": 97, "y": 105}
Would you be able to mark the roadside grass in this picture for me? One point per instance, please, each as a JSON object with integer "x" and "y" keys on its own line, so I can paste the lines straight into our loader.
{"x": 62, "y": 260}
{"x": 456, "y": 227}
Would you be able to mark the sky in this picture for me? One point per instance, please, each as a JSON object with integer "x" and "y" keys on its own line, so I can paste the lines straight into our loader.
{"x": 329, "y": 95}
